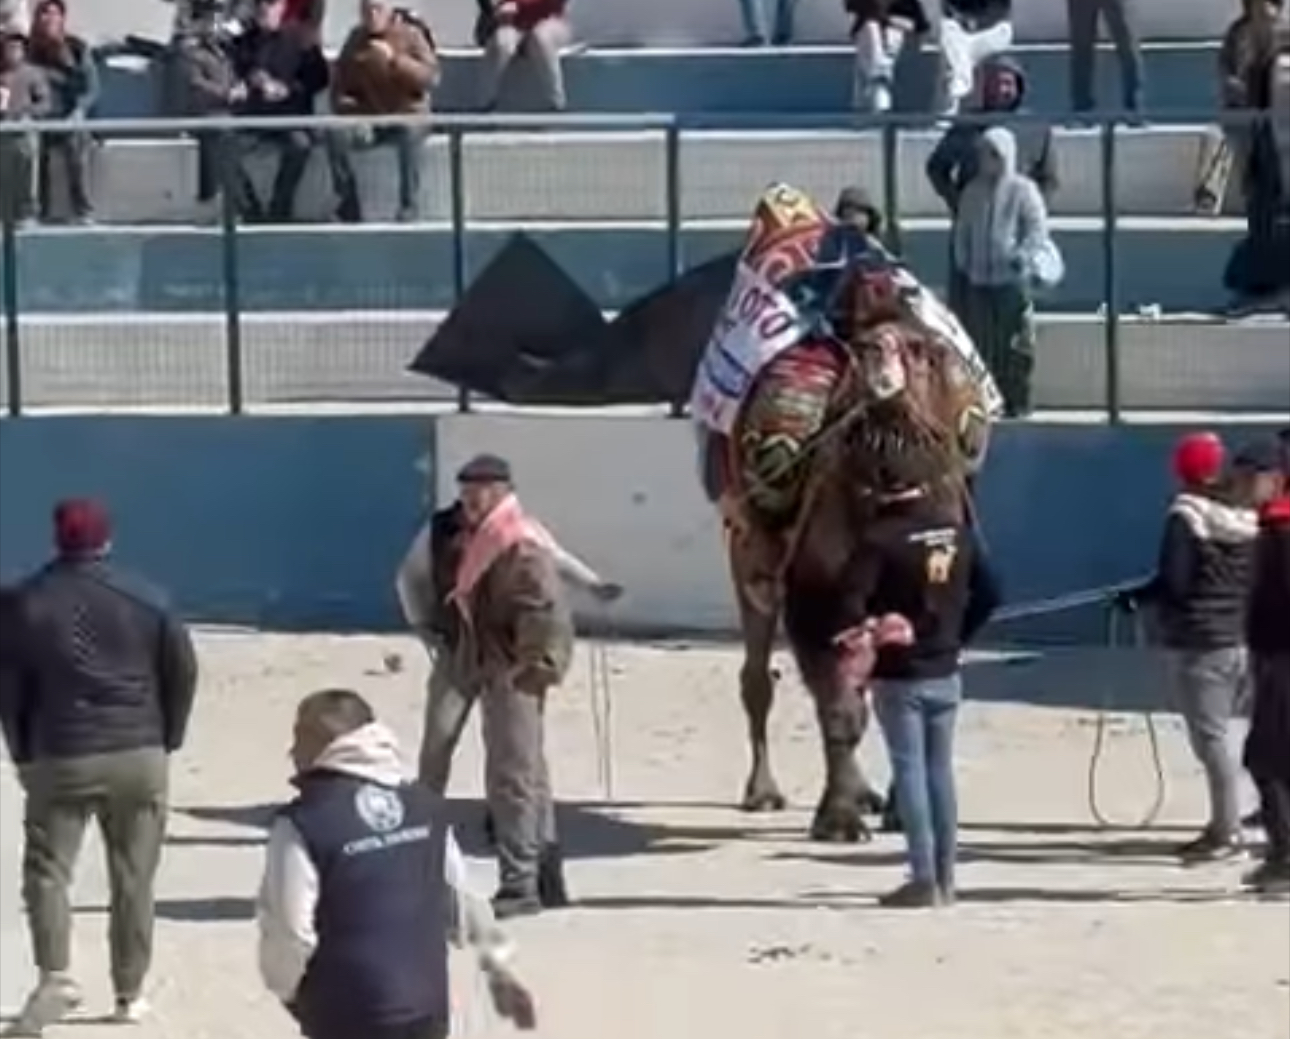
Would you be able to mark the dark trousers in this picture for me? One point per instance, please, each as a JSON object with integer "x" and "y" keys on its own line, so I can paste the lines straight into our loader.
{"x": 74, "y": 150}
{"x": 517, "y": 783}
{"x": 1274, "y": 809}
{"x": 17, "y": 165}
{"x": 1000, "y": 321}
{"x": 408, "y": 143}
{"x": 1119, "y": 17}
{"x": 210, "y": 165}
{"x": 293, "y": 148}
{"x": 432, "y": 1029}
{"x": 126, "y": 793}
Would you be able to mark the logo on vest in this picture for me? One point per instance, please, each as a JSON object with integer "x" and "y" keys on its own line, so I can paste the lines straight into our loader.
{"x": 380, "y": 808}
{"x": 383, "y": 812}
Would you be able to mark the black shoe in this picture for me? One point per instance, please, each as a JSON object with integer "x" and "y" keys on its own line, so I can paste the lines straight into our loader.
{"x": 1269, "y": 877}
{"x": 490, "y": 829}
{"x": 1253, "y": 821}
{"x": 912, "y": 895}
{"x": 552, "y": 892}
{"x": 509, "y": 903}
{"x": 1208, "y": 848}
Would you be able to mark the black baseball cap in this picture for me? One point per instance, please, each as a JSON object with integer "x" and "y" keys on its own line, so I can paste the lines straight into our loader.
{"x": 1259, "y": 456}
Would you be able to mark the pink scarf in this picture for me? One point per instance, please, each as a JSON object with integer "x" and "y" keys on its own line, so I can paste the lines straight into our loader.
{"x": 505, "y": 527}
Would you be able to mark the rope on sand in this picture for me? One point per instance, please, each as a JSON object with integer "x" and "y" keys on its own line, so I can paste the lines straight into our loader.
{"x": 1105, "y": 597}
{"x": 602, "y": 713}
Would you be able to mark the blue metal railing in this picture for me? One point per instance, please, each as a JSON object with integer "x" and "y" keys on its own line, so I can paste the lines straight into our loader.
{"x": 456, "y": 129}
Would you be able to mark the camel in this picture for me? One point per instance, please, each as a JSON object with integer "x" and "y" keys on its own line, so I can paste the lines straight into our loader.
{"x": 797, "y": 423}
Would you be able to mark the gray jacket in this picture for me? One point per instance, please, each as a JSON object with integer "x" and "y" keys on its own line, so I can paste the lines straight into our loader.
{"x": 1001, "y": 224}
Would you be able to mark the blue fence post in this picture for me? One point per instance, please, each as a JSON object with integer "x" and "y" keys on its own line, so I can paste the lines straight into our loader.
{"x": 1110, "y": 273}
{"x": 12, "y": 344}
{"x": 675, "y": 256}
{"x": 457, "y": 185}
{"x": 232, "y": 275}
{"x": 891, "y": 185}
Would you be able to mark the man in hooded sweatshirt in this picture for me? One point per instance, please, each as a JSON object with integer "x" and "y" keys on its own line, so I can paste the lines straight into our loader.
{"x": 953, "y": 162}
{"x": 364, "y": 889}
{"x": 999, "y": 236}
{"x": 1199, "y": 596}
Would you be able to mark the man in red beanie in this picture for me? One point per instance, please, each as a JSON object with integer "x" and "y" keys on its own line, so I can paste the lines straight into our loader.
{"x": 1199, "y": 595}
{"x": 98, "y": 683}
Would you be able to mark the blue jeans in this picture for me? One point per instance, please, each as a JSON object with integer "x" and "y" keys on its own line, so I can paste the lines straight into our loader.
{"x": 917, "y": 719}
{"x": 754, "y": 15}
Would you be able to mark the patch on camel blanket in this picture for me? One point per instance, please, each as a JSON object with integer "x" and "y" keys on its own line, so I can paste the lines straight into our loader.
{"x": 782, "y": 418}
{"x": 789, "y": 280}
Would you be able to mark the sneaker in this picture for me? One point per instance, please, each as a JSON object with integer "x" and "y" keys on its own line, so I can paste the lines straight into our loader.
{"x": 510, "y": 903}
{"x": 912, "y": 895}
{"x": 1269, "y": 878}
{"x": 53, "y": 999}
{"x": 1209, "y": 848}
{"x": 1253, "y": 821}
{"x": 130, "y": 1011}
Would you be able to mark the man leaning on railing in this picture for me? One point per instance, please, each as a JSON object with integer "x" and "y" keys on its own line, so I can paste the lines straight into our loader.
{"x": 24, "y": 95}
{"x": 280, "y": 72}
{"x": 67, "y": 62}
{"x": 387, "y": 67}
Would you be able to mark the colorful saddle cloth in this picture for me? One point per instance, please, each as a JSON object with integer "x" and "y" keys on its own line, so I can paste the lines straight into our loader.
{"x": 776, "y": 355}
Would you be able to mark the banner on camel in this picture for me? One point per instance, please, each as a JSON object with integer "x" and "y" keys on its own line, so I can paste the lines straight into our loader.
{"x": 793, "y": 257}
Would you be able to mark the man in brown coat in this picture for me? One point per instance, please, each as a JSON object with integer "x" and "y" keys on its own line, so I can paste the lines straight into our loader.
{"x": 516, "y": 643}
{"x": 387, "y": 67}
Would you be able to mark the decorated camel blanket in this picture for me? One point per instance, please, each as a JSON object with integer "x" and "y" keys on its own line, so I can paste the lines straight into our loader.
{"x": 794, "y": 258}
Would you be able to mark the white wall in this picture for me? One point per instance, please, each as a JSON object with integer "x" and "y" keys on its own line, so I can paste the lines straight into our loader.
{"x": 621, "y": 492}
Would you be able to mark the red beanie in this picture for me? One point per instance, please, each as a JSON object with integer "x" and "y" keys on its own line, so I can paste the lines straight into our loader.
{"x": 1198, "y": 458}
{"x": 81, "y": 527}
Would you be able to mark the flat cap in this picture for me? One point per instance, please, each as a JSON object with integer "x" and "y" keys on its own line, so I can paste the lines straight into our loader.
{"x": 485, "y": 469}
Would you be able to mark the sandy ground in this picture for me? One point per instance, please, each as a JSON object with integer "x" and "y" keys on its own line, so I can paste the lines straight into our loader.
{"x": 697, "y": 922}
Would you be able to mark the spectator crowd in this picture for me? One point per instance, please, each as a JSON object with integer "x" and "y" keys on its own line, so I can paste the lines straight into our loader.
{"x": 264, "y": 59}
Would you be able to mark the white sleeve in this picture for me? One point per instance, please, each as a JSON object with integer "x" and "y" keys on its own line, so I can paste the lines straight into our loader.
{"x": 288, "y": 898}
{"x": 414, "y": 581}
{"x": 573, "y": 569}
{"x": 471, "y": 920}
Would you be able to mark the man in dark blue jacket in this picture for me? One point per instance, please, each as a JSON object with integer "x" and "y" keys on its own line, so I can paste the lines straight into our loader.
{"x": 364, "y": 887}
{"x": 98, "y": 684}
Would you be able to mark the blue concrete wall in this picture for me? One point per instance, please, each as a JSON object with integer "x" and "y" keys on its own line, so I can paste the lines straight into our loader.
{"x": 372, "y": 268}
{"x": 274, "y": 522}
{"x": 299, "y": 522}
{"x": 734, "y": 87}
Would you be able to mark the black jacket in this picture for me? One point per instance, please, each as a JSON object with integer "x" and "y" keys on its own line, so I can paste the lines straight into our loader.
{"x": 1202, "y": 578}
{"x": 286, "y": 56}
{"x": 93, "y": 663}
{"x": 1267, "y": 624}
{"x": 910, "y": 560}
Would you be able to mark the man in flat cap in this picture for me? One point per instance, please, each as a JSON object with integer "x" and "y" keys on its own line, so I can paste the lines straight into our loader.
{"x": 97, "y": 684}
{"x": 480, "y": 585}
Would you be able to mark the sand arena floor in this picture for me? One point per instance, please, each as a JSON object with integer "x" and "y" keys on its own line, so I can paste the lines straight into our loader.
{"x": 698, "y": 922}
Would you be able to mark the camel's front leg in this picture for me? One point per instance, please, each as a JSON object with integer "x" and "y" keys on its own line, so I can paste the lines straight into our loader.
{"x": 757, "y": 690}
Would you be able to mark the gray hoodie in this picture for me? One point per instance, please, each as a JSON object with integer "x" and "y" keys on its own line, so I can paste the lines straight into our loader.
{"x": 1002, "y": 223}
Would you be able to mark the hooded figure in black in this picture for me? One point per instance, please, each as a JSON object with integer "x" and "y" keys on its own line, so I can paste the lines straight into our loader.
{"x": 953, "y": 162}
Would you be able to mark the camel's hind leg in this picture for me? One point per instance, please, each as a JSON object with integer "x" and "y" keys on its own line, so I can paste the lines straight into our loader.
{"x": 757, "y": 689}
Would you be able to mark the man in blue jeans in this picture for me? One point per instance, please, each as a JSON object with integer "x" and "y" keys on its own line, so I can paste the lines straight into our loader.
{"x": 919, "y": 589}
{"x": 754, "y": 19}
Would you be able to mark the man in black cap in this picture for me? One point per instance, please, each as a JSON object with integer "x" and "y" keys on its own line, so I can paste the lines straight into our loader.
{"x": 484, "y": 560}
